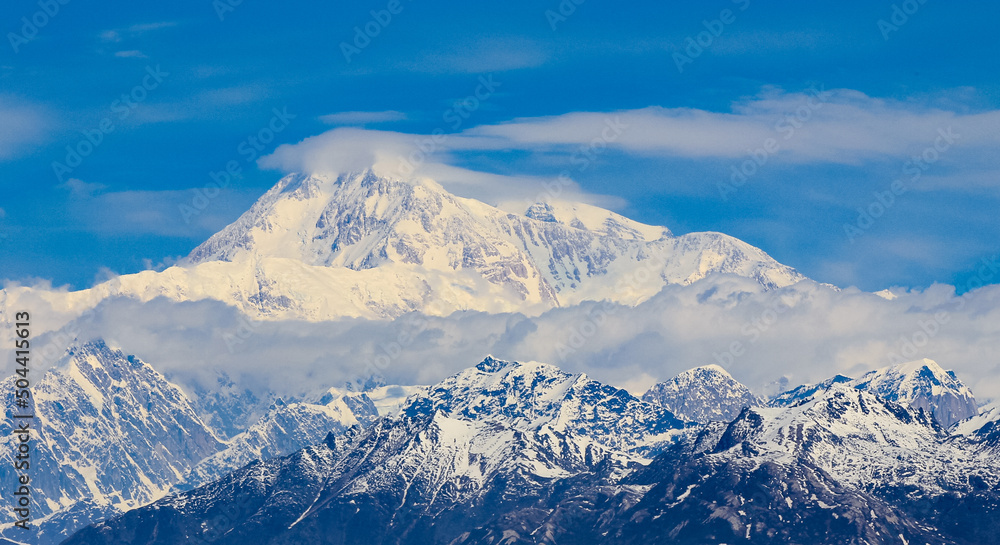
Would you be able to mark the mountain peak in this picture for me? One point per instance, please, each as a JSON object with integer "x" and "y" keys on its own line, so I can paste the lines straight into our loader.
{"x": 534, "y": 395}
{"x": 319, "y": 247}
{"x": 922, "y": 384}
{"x": 703, "y": 394}
{"x": 491, "y": 365}
{"x": 710, "y": 368}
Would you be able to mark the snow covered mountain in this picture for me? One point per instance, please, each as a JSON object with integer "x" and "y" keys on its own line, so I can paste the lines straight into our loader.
{"x": 111, "y": 433}
{"x": 114, "y": 434}
{"x": 805, "y": 391}
{"x": 283, "y": 430}
{"x": 920, "y": 384}
{"x": 505, "y": 453}
{"x": 703, "y": 394}
{"x": 925, "y": 385}
{"x": 362, "y": 245}
{"x": 489, "y": 436}
{"x": 533, "y": 396}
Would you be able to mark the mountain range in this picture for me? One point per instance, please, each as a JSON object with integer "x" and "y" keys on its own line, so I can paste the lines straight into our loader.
{"x": 509, "y": 452}
{"x": 501, "y": 452}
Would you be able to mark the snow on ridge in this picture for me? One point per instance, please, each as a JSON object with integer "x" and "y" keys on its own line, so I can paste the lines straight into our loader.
{"x": 534, "y": 395}
{"x": 320, "y": 247}
{"x": 923, "y": 384}
{"x": 702, "y": 394}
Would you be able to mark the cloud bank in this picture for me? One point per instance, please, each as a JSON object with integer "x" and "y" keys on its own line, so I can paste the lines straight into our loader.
{"x": 805, "y": 333}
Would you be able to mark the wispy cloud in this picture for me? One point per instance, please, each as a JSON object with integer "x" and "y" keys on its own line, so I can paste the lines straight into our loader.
{"x": 362, "y": 118}
{"x": 21, "y": 124}
{"x": 402, "y": 155}
{"x": 133, "y": 31}
{"x": 484, "y": 55}
{"x": 80, "y": 189}
{"x": 131, "y": 54}
{"x": 93, "y": 209}
{"x": 836, "y": 126}
{"x": 819, "y": 127}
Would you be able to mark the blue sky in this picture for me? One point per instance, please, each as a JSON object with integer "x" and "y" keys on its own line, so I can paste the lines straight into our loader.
{"x": 912, "y": 101}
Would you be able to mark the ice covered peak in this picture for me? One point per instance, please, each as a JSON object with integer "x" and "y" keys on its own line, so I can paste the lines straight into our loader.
{"x": 533, "y": 396}
{"x": 703, "y": 394}
{"x": 922, "y": 384}
{"x": 491, "y": 365}
{"x": 319, "y": 247}
{"x": 594, "y": 219}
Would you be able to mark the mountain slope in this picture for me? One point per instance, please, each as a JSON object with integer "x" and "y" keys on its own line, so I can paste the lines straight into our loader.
{"x": 703, "y": 394}
{"x": 922, "y": 384}
{"x": 499, "y": 454}
{"x": 500, "y": 436}
{"x": 112, "y": 434}
{"x": 283, "y": 430}
{"x": 362, "y": 245}
{"x": 532, "y": 395}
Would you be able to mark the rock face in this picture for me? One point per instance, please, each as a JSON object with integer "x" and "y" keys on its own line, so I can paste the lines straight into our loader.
{"x": 925, "y": 385}
{"x": 703, "y": 394}
{"x": 114, "y": 434}
{"x": 533, "y": 395}
{"x": 284, "y": 429}
{"x": 920, "y": 384}
{"x": 801, "y": 393}
{"x": 364, "y": 245}
{"x": 520, "y": 453}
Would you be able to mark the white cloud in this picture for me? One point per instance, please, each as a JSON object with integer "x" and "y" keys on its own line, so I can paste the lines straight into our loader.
{"x": 485, "y": 54}
{"x": 407, "y": 156}
{"x": 361, "y": 118}
{"x": 131, "y": 54}
{"x": 133, "y": 31}
{"x": 21, "y": 124}
{"x": 839, "y": 126}
{"x": 806, "y": 332}
{"x": 81, "y": 189}
{"x": 818, "y": 126}
{"x": 152, "y": 212}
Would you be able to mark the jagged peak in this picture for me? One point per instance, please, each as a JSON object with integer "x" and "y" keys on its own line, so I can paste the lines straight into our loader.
{"x": 592, "y": 218}
{"x": 918, "y": 365}
{"x": 711, "y": 368}
{"x": 903, "y": 375}
{"x": 492, "y": 365}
